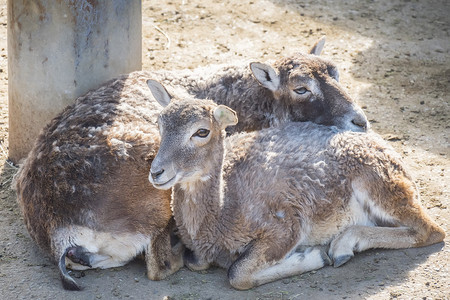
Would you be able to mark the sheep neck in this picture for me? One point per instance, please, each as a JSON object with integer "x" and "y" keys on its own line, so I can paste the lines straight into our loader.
{"x": 197, "y": 206}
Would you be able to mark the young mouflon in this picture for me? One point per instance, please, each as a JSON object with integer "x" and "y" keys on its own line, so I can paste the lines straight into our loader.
{"x": 247, "y": 202}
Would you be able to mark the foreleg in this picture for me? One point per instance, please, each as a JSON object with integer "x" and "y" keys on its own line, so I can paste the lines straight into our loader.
{"x": 256, "y": 266}
{"x": 161, "y": 257}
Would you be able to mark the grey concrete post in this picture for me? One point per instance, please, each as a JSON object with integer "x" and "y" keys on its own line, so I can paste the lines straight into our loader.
{"x": 60, "y": 49}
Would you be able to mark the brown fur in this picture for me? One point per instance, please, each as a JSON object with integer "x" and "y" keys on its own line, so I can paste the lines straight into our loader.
{"x": 86, "y": 174}
{"x": 74, "y": 176}
{"x": 248, "y": 201}
{"x": 268, "y": 98}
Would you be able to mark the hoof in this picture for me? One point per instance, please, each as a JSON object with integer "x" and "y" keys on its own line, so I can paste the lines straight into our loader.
{"x": 189, "y": 257}
{"x": 69, "y": 284}
{"x": 325, "y": 258}
{"x": 79, "y": 255}
{"x": 339, "y": 261}
{"x": 192, "y": 262}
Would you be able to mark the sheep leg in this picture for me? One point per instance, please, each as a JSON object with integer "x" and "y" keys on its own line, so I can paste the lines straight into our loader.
{"x": 253, "y": 268}
{"x": 360, "y": 238}
{"x": 193, "y": 262}
{"x": 97, "y": 260}
{"x": 67, "y": 281}
{"x": 161, "y": 257}
{"x": 79, "y": 255}
{"x": 416, "y": 228}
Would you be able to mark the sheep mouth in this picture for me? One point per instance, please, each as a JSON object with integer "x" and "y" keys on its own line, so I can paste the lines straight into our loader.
{"x": 166, "y": 185}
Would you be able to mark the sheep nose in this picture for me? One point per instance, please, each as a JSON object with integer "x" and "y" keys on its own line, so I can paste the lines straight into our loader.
{"x": 361, "y": 121}
{"x": 156, "y": 174}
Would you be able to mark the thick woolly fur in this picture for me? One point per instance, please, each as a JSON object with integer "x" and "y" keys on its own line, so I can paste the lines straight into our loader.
{"x": 258, "y": 196}
{"x": 84, "y": 184}
{"x": 85, "y": 181}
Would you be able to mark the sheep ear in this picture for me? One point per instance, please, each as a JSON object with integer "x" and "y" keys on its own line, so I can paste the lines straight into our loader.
{"x": 318, "y": 47}
{"x": 334, "y": 72}
{"x": 225, "y": 116}
{"x": 265, "y": 75}
{"x": 159, "y": 92}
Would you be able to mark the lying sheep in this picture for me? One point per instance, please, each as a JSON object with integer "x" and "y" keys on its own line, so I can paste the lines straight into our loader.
{"x": 301, "y": 87}
{"x": 83, "y": 189}
{"x": 248, "y": 201}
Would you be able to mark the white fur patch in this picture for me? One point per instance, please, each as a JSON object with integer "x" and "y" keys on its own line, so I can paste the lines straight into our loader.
{"x": 106, "y": 249}
{"x": 196, "y": 178}
{"x": 357, "y": 214}
{"x": 121, "y": 147}
{"x": 297, "y": 263}
{"x": 362, "y": 199}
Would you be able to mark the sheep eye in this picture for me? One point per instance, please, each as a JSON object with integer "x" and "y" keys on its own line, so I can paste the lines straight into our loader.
{"x": 301, "y": 90}
{"x": 201, "y": 133}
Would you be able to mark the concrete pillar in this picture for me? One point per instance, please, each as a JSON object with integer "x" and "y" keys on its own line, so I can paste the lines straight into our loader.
{"x": 60, "y": 49}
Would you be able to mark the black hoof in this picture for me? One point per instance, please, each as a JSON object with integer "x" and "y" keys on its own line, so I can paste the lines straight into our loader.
{"x": 79, "y": 255}
{"x": 339, "y": 261}
{"x": 192, "y": 262}
{"x": 326, "y": 259}
{"x": 68, "y": 282}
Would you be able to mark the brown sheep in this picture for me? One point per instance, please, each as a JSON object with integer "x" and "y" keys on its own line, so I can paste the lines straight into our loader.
{"x": 247, "y": 202}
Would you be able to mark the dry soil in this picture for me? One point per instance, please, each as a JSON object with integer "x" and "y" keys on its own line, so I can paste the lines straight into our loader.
{"x": 394, "y": 60}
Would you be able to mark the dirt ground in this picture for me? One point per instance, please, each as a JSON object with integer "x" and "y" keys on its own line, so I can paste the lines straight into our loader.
{"x": 394, "y": 60}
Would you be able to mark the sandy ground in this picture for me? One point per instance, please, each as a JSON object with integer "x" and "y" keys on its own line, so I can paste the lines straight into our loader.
{"x": 394, "y": 60}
